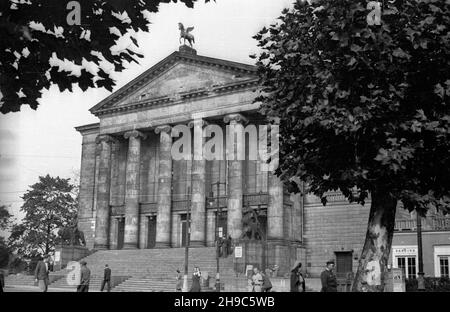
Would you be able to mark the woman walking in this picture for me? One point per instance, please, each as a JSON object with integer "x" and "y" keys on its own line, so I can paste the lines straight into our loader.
{"x": 196, "y": 280}
{"x": 297, "y": 279}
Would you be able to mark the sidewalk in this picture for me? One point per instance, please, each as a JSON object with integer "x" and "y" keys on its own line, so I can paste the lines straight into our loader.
{"x": 21, "y": 288}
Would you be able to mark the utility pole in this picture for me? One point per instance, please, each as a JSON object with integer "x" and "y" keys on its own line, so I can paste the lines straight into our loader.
{"x": 186, "y": 248}
{"x": 420, "y": 279}
{"x": 218, "y": 213}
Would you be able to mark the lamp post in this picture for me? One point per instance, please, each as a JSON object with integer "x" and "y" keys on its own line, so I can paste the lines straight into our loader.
{"x": 186, "y": 248}
{"x": 420, "y": 279}
{"x": 218, "y": 213}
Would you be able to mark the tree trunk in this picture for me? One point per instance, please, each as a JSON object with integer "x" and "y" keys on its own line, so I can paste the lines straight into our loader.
{"x": 375, "y": 254}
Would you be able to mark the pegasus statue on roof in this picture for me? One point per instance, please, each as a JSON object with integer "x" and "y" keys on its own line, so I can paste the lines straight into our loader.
{"x": 186, "y": 34}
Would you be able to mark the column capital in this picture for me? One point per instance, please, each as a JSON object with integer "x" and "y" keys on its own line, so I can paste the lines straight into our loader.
{"x": 197, "y": 122}
{"x": 238, "y": 118}
{"x": 105, "y": 138}
{"x": 164, "y": 128}
{"x": 134, "y": 134}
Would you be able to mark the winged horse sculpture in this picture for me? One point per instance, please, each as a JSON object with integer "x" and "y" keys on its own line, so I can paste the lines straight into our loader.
{"x": 186, "y": 34}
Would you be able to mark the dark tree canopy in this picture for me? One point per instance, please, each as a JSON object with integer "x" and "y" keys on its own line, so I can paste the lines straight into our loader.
{"x": 49, "y": 205}
{"x": 362, "y": 107}
{"x": 32, "y": 31}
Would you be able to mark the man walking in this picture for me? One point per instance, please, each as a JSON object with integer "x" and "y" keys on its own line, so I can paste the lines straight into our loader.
{"x": 85, "y": 278}
{"x": 106, "y": 279}
{"x": 257, "y": 280}
{"x": 41, "y": 274}
{"x": 328, "y": 278}
{"x": 2, "y": 280}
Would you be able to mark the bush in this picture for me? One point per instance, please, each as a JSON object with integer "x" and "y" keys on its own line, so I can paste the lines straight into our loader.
{"x": 432, "y": 284}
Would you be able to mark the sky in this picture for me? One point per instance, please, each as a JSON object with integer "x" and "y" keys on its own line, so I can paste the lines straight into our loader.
{"x": 36, "y": 143}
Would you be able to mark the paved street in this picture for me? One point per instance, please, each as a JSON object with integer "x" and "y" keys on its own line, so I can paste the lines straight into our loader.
{"x": 34, "y": 289}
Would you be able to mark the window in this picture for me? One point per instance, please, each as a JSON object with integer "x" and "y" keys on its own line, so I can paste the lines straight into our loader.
{"x": 408, "y": 264}
{"x": 443, "y": 266}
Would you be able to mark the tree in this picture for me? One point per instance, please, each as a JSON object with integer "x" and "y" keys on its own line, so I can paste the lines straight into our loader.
{"x": 82, "y": 32}
{"x": 6, "y": 219}
{"x": 363, "y": 109}
{"x": 49, "y": 205}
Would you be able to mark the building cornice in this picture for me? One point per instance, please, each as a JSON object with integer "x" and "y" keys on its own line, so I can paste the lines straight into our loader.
{"x": 184, "y": 96}
{"x": 104, "y": 106}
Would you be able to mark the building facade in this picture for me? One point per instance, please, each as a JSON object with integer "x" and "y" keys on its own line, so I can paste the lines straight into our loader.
{"x": 134, "y": 194}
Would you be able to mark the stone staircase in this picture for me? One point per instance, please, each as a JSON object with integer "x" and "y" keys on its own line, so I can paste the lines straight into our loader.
{"x": 149, "y": 269}
{"x": 19, "y": 280}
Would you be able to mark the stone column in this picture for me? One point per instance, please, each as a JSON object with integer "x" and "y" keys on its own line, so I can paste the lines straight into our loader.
{"x": 101, "y": 240}
{"x": 275, "y": 228}
{"x": 198, "y": 212}
{"x": 235, "y": 174}
{"x": 210, "y": 227}
{"x": 131, "y": 237}
{"x": 164, "y": 195}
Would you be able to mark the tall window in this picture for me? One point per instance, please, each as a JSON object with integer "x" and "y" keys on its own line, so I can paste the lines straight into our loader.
{"x": 443, "y": 266}
{"x": 408, "y": 264}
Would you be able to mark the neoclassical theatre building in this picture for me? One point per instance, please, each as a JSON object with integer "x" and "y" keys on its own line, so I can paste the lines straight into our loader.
{"x": 135, "y": 195}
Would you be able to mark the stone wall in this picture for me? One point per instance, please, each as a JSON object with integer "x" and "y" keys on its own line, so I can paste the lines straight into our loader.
{"x": 338, "y": 226}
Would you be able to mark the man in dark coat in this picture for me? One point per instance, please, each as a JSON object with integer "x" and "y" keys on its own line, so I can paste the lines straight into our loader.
{"x": 106, "y": 279}
{"x": 2, "y": 281}
{"x": 41, "y": 273}
{"x": 85, "y": 278}
{"x": 328, "y": 278}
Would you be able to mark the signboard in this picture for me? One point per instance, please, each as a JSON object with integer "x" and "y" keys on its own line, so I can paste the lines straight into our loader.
{"x": 249, "y": 270}
{"x": 238, "y": 252}
{"x": 404, "y": 251}
{"x": 57, "y": 256}
{"x": 398, "y": 280}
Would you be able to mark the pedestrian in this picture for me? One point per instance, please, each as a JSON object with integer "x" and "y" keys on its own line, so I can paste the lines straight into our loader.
{"x": 179, "y": 285}
{"x": 219, "y": 247}
{"x": 85, "y": 278}
{"x": 257, "y": 280}
{"x": 227, "y": 246}
{"x": 41, "y": 273}
{"x": 196, "y": 280}
{"x": 2, "y": 281}
{"x": 328, "y": 278}
{"x": 106, "y": 279}
{"x": 297, "y": 279}
{"x": 267, "y": 284}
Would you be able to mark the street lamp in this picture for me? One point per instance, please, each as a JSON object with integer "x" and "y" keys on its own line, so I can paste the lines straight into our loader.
{"x": 218, "y": 213}
{"x": 420, "y": 279}
{"x": 186, "y": 248}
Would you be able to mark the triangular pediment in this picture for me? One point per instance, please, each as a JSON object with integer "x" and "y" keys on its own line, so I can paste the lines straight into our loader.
{"x": 177, "y": 76}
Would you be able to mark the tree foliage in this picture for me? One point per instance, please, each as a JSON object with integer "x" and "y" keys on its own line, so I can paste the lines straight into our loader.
{"x": 33, "y": 32}
{"x": 363, "y": 108}
{"x": 6, "y": 219}
{"x": 49, "y": 205}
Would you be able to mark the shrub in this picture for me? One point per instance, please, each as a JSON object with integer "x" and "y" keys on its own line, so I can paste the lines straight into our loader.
{"x": 432, "y": 284}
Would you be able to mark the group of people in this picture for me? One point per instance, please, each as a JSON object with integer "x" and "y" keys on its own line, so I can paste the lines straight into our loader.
{"x": 196, "y": 277}
{"x": 224, "y": 246}
{"x": 327, "y": 278}
{"x": 43, "y": 269}
{"x": 85, "y": 277}
{"x": 260, "y": 282}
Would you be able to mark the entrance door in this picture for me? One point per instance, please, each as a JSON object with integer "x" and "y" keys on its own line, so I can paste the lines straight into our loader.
{"x": 151, "y": 238}
{"x": 120, "y": 232}
{"x": 183, "y": 230}
{"x": 344, "y": 263}
{"x": 222, "y": 225}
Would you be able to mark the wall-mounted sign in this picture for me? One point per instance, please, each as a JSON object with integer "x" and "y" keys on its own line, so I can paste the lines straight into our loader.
{"x": 404, "y": 251}
{"x": 57, "y": 256}
{"x": 398, "y": 280}
{"x": 238, "y": 252}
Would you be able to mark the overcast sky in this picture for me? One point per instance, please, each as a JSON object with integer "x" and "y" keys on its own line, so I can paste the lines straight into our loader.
{"x": 34, "y": 143}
